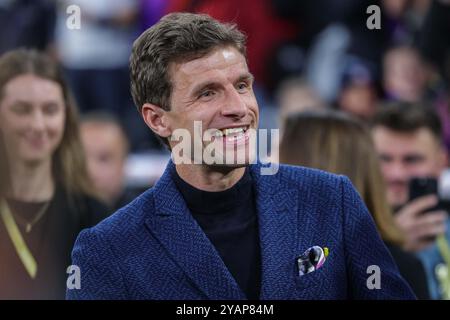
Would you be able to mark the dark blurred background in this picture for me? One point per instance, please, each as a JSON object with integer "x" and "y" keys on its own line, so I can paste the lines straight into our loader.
{"x": 304, "y": 54}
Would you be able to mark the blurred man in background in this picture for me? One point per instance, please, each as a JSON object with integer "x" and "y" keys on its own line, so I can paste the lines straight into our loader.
{"x": 409, "y": 143}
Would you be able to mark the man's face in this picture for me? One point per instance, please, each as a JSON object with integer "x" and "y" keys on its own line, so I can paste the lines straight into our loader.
{"x": 217, "y": 90}
{"x": 404, "y": 156}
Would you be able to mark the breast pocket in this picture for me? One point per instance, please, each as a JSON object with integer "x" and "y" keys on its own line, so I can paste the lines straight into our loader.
{"x": 312, "y": 279}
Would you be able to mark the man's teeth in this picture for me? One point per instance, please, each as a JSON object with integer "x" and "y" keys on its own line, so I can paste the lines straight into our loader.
{"x": 230, "y": 131}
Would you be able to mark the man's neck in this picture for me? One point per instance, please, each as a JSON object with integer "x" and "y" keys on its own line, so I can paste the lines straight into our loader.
{"x": 210, "y": 179}
{"x": 31, "y": 182}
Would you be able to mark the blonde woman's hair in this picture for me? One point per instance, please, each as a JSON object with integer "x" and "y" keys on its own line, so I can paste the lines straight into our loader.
{"x": 334, "y": 142}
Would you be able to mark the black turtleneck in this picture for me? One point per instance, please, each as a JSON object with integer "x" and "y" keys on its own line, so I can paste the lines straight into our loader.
{"x": 229, "y": 220}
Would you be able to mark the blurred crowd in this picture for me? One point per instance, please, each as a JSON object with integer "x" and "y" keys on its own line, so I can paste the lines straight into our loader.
{"x": 313, "y": 54}
{"x": 372, "y": 104}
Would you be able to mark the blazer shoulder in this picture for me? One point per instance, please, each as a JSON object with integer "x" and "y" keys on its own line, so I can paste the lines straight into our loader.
{"x": 126, "y": 219}
{"x": 309, "y": 177}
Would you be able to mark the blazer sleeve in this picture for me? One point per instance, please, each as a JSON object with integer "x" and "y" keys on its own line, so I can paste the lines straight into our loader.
{"x": 100, "y": 275}
{"x": 366, "y": 254}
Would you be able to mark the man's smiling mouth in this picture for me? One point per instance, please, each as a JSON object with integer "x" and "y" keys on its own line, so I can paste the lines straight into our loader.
{"x": 231, "y": 132}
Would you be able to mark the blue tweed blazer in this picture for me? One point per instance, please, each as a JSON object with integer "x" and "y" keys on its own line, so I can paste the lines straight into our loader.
{"x": 154, "y": 249}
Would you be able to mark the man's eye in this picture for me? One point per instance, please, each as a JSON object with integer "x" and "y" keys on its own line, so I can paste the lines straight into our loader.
{"x": 413, "y": 160}
{"x": 206, "y": 94}
{"x": 242, "y": 86}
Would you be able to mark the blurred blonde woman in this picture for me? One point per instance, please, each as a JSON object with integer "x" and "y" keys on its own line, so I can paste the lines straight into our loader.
{"x": 335, "y": 142}
{"x": 45, "y": 195}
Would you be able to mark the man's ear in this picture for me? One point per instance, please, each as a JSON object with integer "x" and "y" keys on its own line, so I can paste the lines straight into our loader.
{"x": 156, "y": 119}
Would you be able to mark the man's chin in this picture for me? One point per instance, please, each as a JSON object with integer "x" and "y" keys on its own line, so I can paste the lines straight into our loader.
{"x": 398, "y": 196}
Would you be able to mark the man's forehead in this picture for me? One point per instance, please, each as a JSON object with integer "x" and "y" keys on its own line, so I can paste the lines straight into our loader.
{"x": 422, "y": 133}
{"x": 219, "y": 59}
{"x": 417, "y": 141}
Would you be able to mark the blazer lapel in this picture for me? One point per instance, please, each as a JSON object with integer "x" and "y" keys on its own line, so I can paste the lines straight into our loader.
{"x": 187, "y": 244}
{"x": 278, "y": 228}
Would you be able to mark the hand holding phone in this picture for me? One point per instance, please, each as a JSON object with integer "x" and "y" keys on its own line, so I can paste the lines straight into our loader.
{"x": 422, "y": 218}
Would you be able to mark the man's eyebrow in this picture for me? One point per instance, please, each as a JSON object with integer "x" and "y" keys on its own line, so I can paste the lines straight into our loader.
{"x": 202, "y": 86}
{"x": 246, "y": 77}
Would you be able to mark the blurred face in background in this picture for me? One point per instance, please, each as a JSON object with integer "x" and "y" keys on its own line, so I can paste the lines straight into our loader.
{"x": 359, "y": 100}
{"x": 106, "y": 151}
{"x": 296, "y": 97}
{"x": 404, "y": 74}
{"x": 404, "y": 155}
{"x": 32, "y": 117}
{"x": 394, "y": 8}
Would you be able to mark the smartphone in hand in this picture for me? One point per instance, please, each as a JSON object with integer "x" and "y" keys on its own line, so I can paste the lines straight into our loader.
{"x": 419, "y": 187}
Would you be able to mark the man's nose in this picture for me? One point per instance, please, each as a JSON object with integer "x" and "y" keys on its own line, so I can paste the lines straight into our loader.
{"x": 234, "y": 105}
{"x": 397, "y": 171}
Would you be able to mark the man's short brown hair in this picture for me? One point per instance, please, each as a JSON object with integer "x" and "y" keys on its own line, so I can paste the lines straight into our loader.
{"x": 177, "y": 37}
{"x": 407, "y": 117}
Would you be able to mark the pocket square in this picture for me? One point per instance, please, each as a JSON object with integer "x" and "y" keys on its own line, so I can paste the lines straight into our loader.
{"x": 311, "y": 260}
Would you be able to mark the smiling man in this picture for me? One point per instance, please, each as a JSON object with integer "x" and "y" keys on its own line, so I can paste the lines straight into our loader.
{"x": 224, "y": 230}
